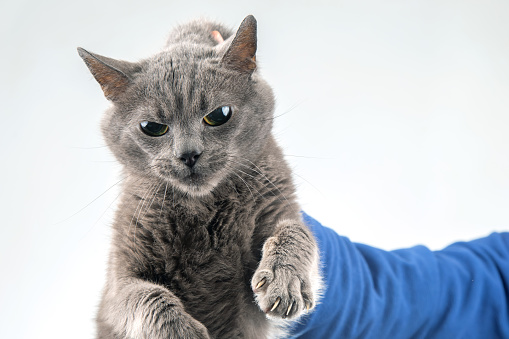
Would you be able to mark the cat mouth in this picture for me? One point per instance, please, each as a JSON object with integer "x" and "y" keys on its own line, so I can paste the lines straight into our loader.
{"x": 197, "y": 184}
{"x": 194, "y": 176}
{"x": 193, "y": 179}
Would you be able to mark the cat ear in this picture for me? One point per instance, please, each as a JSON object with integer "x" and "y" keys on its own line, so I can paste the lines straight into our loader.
{"x": 223, "y": 46}
{"x": 111, "y": 74}
{"x": 240, "y": 56}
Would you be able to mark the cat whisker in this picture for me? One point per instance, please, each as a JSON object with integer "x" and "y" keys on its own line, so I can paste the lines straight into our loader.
{"x": 310, "y": 184}
{"x": 95, "y": 147}
{"x": 235, "y": 189}
{"x": 90, "y": 203}
{"x": 245, "y": 182}
{"x": 307, "y": 157}
{"x": 164, "y": 197}
{"x": 266, "y": 178}
{"x": 254, "y": 178}
{"x": 107, "y": 208}
{"x": 151, "y": 202}
{"x": 100, "y": 217}
{"x": 292, "y": 172}
{"x": 285, "y": 112}
{"x": 173, "y": 195}
{"x": 233, "y": 171}
{"x": 258, "y": 180}
{"x": 142, "y": 200}
{"x": 152, "y": 189}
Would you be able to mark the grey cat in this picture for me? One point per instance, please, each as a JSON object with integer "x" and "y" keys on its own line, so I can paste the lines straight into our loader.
{"x": 208, "y": 240}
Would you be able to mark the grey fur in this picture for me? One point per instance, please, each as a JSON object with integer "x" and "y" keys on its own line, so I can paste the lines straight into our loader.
{"x": 207, "y": 251}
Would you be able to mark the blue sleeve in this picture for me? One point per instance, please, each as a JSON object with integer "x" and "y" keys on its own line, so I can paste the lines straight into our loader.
{"x": 461, "y": 291}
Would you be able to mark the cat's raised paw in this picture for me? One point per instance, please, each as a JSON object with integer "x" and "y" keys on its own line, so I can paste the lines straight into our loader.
{"x": 282, "y": 292}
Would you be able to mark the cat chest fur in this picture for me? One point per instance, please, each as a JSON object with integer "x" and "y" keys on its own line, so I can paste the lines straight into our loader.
{"x": 205, "y": 254}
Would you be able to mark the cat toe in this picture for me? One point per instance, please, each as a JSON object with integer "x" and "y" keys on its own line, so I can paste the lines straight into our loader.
{"x": 281, "y": 296}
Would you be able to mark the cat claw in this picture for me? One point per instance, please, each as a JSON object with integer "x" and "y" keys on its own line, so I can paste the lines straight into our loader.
{"x": 278, "y": 300}
{"x": 283, "y": 291}
{"x": 289, "y": 309}
{"x": 261, "y": 283}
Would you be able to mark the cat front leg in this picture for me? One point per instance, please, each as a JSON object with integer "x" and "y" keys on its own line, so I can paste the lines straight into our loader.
{"x": 287, "y": 281}
{"x": 138, "y": 309}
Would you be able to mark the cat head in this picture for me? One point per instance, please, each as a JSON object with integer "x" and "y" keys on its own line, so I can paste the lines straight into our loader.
{"x": 192, "y": 114}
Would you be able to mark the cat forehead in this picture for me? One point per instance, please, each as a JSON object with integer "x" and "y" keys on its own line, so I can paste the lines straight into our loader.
{"x": 186, "y": 54}
{"x": 180, "y": 67}
{"x": 171, "y": 73}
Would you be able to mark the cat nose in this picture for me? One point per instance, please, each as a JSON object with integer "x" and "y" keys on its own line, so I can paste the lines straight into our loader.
{"x": 190, "y": 158}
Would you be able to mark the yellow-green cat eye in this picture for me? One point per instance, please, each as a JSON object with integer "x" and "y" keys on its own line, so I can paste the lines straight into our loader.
{"x": 218, "y": 116}
{"x": 153, "y": 129}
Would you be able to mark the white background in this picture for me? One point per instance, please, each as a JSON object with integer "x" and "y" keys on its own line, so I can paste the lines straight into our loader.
{"x": 397, "y": 111}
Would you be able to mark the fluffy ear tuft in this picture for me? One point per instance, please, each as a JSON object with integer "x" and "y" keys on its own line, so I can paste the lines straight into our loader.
{"x": 241, "y": 55}
{"x": 113, "y": 81}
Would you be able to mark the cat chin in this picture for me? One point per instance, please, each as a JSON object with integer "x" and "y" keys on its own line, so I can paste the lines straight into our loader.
{"x": 198, "y": 188}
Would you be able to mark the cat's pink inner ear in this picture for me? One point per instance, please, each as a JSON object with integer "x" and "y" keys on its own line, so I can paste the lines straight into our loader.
{"x": 217, "y": 37}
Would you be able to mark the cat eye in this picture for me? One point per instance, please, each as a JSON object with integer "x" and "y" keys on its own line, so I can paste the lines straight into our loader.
{"x": 153, "y": 129}
{"x": 218, "y": 116}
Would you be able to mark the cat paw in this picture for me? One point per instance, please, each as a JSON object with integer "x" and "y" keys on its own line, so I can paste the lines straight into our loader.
{"x": 194, "y": 330}
{"x": 176, "y": 324}
{"x": 282, "y": 291}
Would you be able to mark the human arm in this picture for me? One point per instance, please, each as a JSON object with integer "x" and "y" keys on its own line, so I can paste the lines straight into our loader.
{"x": 458, "y": 292}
